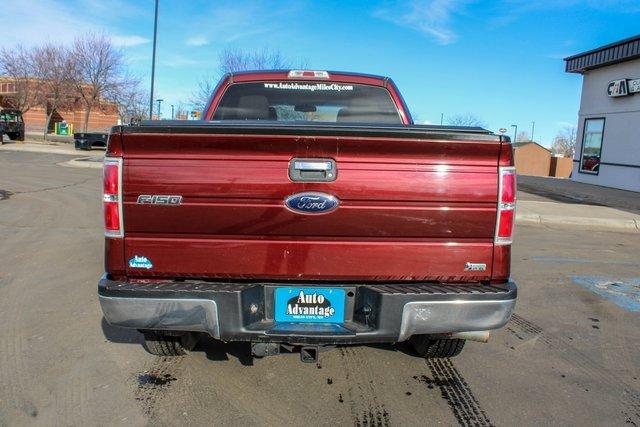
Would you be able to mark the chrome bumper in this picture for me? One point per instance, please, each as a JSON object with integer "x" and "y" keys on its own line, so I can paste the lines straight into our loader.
{"x": 194, "y": 315}
{"x": 444, "y": 316}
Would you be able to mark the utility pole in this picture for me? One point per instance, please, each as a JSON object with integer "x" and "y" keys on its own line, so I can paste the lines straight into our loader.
{"x": 153, "y": 62}
{"x": 171, "y": 111}
{"x": 159, "y": 101}
{"x": 533, "y": 128}
{"x": 515, "y": 133}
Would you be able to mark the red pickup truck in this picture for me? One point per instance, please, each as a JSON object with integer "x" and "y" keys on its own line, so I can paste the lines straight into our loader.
{"x": 307, "y": 210}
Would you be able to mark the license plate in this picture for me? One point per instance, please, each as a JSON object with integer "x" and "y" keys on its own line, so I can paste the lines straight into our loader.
{"x": 309, "y": 305}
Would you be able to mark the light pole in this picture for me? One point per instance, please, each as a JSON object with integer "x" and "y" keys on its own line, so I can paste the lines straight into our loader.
{"x": 171, "y": 111}
{"x": 153, "y": 63}
{"x": 533, "y": 128}
{"x": 515, "y": 132}
{"x": 441, "y": 118}
{"x": 159, "y": 101}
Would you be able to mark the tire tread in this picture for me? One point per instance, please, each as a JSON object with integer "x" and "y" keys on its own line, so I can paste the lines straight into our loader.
{"x": 432, "y": 348}
{"x": 160, "y": 344}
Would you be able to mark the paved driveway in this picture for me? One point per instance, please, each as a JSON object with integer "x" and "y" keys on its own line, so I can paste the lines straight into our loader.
{"x": 570, "y": 355}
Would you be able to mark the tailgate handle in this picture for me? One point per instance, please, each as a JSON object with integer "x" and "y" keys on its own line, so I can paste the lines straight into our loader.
{"x": 312, "y": 166}
{"x": 312, "y": 170}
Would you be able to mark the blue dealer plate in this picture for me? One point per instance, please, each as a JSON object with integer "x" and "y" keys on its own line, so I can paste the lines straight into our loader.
{"x": 309, "y": 305}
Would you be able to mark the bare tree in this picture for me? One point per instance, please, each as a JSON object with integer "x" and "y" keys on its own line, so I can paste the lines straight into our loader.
{"x": 467, "y": 119}
{"x": 232, "y": 60}
{"x": 132, "y": 103}
{"x": 53, "y": 68}
{"x": 205, "y": 88}
{"x": 564, "y": 143}
{"x": 17, "y": 64}
{"x": 523, "y": 136}
{"x": 99, "y": 70}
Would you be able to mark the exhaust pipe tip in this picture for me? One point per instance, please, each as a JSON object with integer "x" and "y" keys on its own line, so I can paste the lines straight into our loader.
{"x": 479, "y": 336}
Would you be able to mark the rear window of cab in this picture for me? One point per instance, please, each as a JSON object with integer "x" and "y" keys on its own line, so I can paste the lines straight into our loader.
{"x": 291, "y": 101}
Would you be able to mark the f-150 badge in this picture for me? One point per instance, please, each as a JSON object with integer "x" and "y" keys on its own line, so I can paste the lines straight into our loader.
{"x": 159, "y": 199}
{"x": 311, "y": 203}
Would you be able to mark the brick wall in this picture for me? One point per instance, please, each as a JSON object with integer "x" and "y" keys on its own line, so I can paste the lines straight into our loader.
{"x": 99, "y": 120}
{"x": 103, "y": 116}
{"x": 532, "y": 159}
{"x": 561, "y": 167}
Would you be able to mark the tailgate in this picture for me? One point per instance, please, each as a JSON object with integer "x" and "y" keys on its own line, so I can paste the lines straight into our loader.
{"x": 410, "y": 208}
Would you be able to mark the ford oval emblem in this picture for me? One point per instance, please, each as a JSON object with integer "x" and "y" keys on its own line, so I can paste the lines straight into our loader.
{"x": 311, "y": 203}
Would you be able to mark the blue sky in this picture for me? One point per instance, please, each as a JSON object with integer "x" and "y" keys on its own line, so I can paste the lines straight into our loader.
{"x": 500, "y": 60}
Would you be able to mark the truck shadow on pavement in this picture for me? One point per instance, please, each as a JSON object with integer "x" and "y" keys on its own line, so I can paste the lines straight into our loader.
{"x": 213, "y": 349}
{"x": 218, "y": 350}
{"x": 121, "y": 335}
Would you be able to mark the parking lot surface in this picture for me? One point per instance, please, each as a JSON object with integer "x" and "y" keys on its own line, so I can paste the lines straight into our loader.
{"x": 570, "y": 354}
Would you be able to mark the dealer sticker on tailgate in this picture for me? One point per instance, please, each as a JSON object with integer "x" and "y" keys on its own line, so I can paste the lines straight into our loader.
{"x": 307, "y": 305}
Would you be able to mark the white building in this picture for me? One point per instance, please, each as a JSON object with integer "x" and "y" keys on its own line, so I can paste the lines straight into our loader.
{"x": 608, "y": 144}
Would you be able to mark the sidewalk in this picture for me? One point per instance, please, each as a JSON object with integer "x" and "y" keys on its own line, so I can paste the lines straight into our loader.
{"x": 41, "y": 147}
{"x": 83, "y": 159}
{"x": 553, "y": 201}
{"x": 571, "y": 192}
{"x": 585, "y": 216}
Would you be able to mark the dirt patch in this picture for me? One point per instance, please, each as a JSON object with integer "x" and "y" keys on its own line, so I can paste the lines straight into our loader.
{"x": 5, "y": 194}
{"x": 151, "y": 380}
{"x": 154, "y": 383}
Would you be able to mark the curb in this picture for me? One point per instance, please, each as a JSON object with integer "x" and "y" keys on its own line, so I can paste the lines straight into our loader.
{"x": 625, "y": 225}
{"x": 39, "y": 148}
{"x": 82, "y": 162}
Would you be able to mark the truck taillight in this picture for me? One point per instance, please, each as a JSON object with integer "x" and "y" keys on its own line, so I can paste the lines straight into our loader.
{"x": 112, "y": 196}
{"x": 506, "y": 205}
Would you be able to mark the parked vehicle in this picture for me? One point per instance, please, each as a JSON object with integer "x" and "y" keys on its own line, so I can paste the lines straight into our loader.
{"x": 88, "y": 140}
{"x": 307, "y": 210}
{"x": 12, "y": 124}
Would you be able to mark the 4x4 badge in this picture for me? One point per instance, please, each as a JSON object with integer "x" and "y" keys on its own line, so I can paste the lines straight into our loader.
{"x": 475, "y": 266}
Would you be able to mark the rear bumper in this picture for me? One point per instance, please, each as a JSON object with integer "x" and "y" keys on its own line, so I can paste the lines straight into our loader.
{"x": 244, "y": 311}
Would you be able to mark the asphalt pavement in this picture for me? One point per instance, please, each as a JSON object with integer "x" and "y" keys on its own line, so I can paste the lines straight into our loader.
{"x": 569, "y": 356}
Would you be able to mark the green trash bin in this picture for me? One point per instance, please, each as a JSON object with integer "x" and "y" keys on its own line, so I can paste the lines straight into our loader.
{"x": 64, "y": 128}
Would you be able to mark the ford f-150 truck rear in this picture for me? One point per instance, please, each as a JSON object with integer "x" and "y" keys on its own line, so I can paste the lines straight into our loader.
{"x": 306, "y": 210}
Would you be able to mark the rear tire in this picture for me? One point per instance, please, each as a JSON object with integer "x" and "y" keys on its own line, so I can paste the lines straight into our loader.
{"x": 431, "y": 348}
{"x": 162, "y": 344}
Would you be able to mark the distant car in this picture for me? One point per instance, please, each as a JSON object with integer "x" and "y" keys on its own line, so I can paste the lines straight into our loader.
{"x": 88, "y": 140}
{"x": 11, "y": 123}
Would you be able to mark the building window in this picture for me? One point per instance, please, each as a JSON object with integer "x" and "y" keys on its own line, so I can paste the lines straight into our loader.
{"x": 591, "y": 145}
